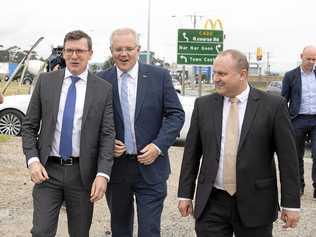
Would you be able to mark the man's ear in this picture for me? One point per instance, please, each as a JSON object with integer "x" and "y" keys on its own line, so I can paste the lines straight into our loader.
{"x": 243, "y": 74}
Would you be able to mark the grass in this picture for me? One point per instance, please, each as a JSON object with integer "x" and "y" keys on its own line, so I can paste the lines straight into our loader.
{"x": 4, "y": 138}
{"x": 15, "y": 88}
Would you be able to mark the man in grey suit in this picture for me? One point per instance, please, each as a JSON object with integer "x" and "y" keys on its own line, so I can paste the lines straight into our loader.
{"x": 68, "y": 139}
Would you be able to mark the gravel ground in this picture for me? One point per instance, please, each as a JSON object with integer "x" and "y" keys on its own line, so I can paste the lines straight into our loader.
{"x": 16, "y": 202}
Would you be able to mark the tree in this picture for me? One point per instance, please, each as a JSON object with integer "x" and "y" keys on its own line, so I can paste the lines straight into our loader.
{"x": 108, "y": 63}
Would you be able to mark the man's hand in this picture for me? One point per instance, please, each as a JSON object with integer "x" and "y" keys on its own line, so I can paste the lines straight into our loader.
{"x": 98, "y": 188}
{"x": 185, "y": 207}
{"x": 290, "y": 218}
{"x": 149, "y": 154}
{"x": 37, "y": 172}
{"x": 119, "y": 148}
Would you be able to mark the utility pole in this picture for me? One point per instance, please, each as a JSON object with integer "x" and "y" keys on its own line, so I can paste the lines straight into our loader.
{"x": 148, "y": 34}
{"x": 268, "y": 64}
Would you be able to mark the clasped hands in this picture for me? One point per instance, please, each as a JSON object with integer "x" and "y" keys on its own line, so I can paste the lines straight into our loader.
{"x": 148, "y": 154}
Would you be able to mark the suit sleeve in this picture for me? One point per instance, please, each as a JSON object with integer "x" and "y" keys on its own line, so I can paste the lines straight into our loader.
{"x": 107, "y": 136}
{"x": 173, "y": 117}
{"x": 191, "y": 157}
{"x": 286, "y": 89}
{"x": 287, "y": 157}
{"x": 31, "y": 123}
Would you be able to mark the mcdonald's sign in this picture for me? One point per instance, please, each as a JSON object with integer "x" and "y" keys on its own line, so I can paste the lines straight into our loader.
{"x": 213, "y": 24}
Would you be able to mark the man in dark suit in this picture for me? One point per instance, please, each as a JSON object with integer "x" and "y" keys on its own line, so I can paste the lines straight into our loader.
{"x": 68, "y": 139}
{"x": 237, "y": 131}
{"x": 148, "y": 117}
{"x": 299, "y": 89}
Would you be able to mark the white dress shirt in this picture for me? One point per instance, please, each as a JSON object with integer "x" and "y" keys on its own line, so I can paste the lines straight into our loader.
{"x": 242, "y": 104}
{"x": 132, "y": 95}
{"x": 132, "y": 81}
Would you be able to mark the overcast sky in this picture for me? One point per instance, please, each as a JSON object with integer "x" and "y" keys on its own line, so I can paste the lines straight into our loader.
{"x": 281, "y": 28}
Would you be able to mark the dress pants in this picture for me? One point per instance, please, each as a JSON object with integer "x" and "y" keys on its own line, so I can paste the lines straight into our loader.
{"x": 220, "y": 218}
{"x": 305, "y": 125}
{"x": 64, "y": 184}
{"x": 149, "y": 202}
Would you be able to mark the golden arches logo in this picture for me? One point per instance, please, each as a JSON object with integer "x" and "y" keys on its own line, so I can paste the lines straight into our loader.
{"x": 213, "y": 24}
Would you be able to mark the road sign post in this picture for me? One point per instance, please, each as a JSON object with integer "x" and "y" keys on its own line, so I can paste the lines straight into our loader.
{"x": 198, "y": 47}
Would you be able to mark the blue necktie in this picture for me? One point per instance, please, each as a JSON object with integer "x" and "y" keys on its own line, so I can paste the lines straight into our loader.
{"x": 128, "y": 136}
{"x": 65, "y": 146}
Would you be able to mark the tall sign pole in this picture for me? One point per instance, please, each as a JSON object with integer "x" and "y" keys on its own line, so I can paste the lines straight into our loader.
{"x": 148, "y": 34}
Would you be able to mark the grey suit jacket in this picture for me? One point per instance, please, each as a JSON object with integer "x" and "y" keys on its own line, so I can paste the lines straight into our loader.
{"x": 97, "y": 130}
{"x": 266, "y": 130}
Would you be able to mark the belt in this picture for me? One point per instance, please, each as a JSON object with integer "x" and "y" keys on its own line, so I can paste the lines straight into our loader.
{"x": 129, "y": 156}
{"x": 59, "y": 160}
{"x": 307, "y": 115}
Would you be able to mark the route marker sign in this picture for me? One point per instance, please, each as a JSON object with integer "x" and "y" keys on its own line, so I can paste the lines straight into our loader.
{"x": 199, "y": 47}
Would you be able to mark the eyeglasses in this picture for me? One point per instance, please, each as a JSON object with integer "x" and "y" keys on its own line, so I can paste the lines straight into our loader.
{"x": 79, "y": 52}
{"x": 127, "y": 49}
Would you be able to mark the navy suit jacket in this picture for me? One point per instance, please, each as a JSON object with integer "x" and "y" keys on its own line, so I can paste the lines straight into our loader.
{"x": 292, "y": 90}
{"x": 159, "y": 118}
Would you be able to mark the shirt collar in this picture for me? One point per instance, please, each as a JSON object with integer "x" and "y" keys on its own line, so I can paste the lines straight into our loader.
{"x": 132, "y": 73}
{"x": 243, "y": 96}
{"x": 83, "y": 76}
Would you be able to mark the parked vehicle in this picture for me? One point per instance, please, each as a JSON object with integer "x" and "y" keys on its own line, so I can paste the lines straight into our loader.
{"x": 13, "y": 110}
{"x": 274, "y": 87}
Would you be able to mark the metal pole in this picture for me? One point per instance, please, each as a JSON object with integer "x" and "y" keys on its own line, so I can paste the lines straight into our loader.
{"x": 183, "y": 80}
{"x": 148, "y": 34}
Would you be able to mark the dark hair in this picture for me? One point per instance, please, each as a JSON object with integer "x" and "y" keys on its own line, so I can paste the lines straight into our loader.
{"x": 239, "y": 57}
{"x": 77, "y": 35}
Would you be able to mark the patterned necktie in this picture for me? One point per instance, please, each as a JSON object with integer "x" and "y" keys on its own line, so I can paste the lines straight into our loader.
{"x": 128, "y": 135}
{"x": 230, "y": 147}
{"x": 65, "y": 146}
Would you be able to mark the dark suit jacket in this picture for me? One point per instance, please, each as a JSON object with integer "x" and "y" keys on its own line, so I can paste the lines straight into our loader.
{"x": 97, "y": 130}
{"x": 292, "y": 90}
{"x": 159, "y": 118}
{"x": 266, "y": 129}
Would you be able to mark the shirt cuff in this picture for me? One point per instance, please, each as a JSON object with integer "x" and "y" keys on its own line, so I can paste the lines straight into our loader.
{"x": 157, "y": 148}
{"x": 184, "y": 199}
{"x": 291, "y": 209}
{"x": 32, "y": 160}
{"x": 104, "y": 175}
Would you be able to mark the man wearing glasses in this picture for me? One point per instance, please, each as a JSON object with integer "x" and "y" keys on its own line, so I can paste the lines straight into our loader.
{"x": 68, "y": 138}
{"x": 148, "y": 117}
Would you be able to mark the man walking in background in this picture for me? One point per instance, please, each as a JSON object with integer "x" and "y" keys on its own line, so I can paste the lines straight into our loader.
{"x": 299, "y": 89}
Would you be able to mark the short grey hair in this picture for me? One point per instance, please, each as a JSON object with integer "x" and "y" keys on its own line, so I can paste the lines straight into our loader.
{"x": 124, "y": 31}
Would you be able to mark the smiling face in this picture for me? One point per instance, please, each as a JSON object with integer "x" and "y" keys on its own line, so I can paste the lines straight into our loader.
{"x": 124, "y": 49}
{"x": 229, "y": 80}
{"x": 77, "y": 55}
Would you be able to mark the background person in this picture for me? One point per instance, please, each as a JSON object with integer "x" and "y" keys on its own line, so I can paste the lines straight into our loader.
{"x": 299, "y": 89}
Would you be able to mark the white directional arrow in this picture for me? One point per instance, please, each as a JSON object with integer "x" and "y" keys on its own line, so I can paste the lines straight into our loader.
{"x": 184, "y": 58}
{"x": 218, "y": 48}
{"x": 184, "y": 35}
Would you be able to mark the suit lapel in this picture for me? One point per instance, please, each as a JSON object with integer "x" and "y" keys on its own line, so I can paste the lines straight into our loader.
{"x": 218, "y": 118}
{"x": 116, "y": 95}
{"x": 56, "y": 83}
{"x": 89, "y": 98}
{"x": 249, "y": 116}
{"x": 142, "y": 80}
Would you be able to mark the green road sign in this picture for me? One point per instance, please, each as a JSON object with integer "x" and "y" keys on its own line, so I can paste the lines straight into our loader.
{"x": 199, "y": 47}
